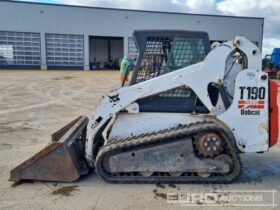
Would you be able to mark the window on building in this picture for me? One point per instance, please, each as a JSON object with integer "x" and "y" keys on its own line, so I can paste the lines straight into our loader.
{"x": 20, "y": 48}
{"x": 65, "y": 49}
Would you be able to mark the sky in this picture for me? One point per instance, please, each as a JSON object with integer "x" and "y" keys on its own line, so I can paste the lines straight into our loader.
{"x": 269, "y": 9}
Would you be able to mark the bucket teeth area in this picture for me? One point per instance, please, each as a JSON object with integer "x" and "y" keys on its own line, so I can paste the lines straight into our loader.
{"x": 61, "y": 160}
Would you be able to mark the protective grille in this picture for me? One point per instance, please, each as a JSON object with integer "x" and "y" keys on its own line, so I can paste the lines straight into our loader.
{"x": 160, "y": 57}
{"x": 180, "y": 92}
{"x": 155, "y": 57}
{"x": 187, "y": 51}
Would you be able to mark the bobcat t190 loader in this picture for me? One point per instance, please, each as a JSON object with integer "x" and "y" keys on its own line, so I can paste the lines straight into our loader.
{"x": 186, "y": 116}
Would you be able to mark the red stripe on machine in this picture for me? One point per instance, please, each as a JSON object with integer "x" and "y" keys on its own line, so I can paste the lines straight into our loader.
{"x": 251, "y": 104}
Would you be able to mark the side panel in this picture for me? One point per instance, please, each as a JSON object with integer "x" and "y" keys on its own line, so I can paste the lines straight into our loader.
{"x": 273, "y": 115}
{"x": 248, "y": 115}
{"x": 127, "y": 125}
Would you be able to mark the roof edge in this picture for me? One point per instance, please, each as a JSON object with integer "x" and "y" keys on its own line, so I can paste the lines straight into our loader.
{"x": 130, "y": 10}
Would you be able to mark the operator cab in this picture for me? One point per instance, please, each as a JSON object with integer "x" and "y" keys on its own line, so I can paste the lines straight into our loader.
{"x": 164, "y": 51}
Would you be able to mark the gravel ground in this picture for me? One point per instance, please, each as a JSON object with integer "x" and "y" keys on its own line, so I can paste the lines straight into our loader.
{"x": 35, "y": 104}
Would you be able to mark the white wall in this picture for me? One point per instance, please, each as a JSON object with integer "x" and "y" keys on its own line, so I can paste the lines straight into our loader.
{"x": 43, "y": 18}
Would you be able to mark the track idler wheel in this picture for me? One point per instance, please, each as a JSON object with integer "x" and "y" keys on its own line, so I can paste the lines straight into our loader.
{"x": 203, "y": 174}
{"x": 227, "y": 159}
{"x": 146, "y": 173}
{"x": 175, "y": 174}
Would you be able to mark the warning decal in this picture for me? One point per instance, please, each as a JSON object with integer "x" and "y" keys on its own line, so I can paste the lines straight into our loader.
{"x": 251, "y": 104}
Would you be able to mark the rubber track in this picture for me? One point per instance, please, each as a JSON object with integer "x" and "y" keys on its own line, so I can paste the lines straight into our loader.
{"x": 117, "y": 146}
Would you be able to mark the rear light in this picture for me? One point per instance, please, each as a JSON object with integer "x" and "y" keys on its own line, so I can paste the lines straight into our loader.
{"x": 273, "y": 113}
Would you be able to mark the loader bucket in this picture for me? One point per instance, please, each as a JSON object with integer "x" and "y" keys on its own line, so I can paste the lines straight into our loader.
{"x": 61, "y": 160}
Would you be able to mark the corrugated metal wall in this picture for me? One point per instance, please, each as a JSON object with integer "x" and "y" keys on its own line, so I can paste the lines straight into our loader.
{"x": 42, "y": 18}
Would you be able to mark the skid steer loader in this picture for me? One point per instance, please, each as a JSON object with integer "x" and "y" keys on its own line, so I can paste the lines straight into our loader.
{"x": 186, "y": 115}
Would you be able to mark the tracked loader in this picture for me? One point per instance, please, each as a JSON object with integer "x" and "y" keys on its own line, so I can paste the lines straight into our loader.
{"x": 186, "y": 115}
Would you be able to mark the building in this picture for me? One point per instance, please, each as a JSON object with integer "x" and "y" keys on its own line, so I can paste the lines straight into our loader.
{"x": 51, "y": 36}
